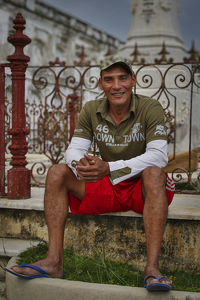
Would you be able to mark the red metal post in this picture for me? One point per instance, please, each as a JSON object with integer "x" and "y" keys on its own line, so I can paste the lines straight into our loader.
{"x": 2, "y": 131}
{"x": 19, "y": 176}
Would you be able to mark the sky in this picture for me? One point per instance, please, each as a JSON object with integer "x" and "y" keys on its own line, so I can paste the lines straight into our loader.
{"x": 114, "y": 17}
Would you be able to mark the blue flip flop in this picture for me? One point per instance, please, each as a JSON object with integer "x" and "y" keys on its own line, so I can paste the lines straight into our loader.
{"x": 42, "y": 272}
{"x": 157, "y": 286}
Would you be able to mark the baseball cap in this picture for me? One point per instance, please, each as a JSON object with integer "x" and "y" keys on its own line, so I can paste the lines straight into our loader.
{"x": 111, "y": 60}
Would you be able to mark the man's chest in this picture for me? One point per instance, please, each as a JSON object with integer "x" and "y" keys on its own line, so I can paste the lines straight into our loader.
{"x": 130, "y": 131}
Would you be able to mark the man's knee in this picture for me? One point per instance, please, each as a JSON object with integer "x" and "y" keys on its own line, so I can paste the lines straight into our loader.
{"x": 153, "y": 177}
{"x": 153, "y": 182}
{"x": 58, "y": 172}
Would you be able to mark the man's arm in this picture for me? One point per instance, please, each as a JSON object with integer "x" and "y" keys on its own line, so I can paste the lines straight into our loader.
{"x": 155, "y": 155}
{"x": 85, "y": 167}
{"x": 91, "y": 168}
{"x": 75, "y": 152}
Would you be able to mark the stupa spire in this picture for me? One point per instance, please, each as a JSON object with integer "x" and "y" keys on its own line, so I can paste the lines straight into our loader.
{"x": 155, "y": 22}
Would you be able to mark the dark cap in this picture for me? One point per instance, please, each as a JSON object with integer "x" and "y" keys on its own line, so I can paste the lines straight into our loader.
{"x": 111, "y": 60}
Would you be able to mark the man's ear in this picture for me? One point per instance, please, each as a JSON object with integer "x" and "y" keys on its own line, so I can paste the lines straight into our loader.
{"x": 100, "y": 83}
{"x": 134, "y": 80}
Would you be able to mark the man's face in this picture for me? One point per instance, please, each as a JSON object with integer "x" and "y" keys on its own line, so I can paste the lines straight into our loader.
{"x": 117, "y": 84}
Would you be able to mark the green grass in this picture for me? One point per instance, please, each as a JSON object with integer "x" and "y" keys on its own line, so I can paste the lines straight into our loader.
{"x": 185, "y": 186}
{"x": 100, "y": 269}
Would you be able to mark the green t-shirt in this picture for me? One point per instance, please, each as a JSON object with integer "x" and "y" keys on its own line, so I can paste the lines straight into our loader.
{"x": 143, "y": 123}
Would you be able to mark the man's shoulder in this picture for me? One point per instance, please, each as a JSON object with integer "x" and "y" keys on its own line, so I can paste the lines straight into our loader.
{"x": 146, "y": 100}
{"x": 93, "y": 105}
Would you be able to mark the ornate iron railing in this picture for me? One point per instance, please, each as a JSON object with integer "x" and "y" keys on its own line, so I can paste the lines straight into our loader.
{"x": 57, "y": 92}
{"x": 51, "y": 122}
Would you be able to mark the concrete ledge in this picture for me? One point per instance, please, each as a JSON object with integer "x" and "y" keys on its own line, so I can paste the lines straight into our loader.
{"x": 121, "y": 234}
{"x": 184, "y": 206}
{"x": 12, "y": 247}
{"x": 51, "y": 289}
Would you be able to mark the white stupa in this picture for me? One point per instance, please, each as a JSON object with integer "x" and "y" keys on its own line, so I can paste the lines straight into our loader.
{"x": 154, "y": 22}
{"x": 155, "y": 37}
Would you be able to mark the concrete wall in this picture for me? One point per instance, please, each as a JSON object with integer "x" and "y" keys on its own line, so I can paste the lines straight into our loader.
{"x": 54, "y": 33}
{"x": 122, "y": 236}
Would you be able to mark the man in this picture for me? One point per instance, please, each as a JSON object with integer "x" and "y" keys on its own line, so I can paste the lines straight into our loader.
{"x": 130, "y": 133}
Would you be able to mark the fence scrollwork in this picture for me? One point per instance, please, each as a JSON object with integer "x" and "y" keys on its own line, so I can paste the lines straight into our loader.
{"x": 61, "y": 90}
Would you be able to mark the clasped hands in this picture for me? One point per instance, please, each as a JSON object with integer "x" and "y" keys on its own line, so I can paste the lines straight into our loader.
{"x": 91, "y": 168}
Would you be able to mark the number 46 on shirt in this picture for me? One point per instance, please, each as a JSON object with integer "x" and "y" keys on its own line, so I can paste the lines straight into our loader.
{"x": 101, "y": 128}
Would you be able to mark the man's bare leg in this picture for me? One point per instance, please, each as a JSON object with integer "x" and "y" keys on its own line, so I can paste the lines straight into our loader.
{"x": 154, "y": 217}
{"x": 60, "y": 180}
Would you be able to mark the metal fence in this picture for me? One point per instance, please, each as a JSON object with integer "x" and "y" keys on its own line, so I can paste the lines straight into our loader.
{"x": 56, "y": 93}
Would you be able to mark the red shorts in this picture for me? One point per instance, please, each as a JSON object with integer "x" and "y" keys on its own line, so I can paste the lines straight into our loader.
{"x": 104, "y": 197}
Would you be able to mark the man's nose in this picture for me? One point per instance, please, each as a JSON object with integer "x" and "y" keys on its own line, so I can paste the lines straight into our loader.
{"x": 116, "y": 83}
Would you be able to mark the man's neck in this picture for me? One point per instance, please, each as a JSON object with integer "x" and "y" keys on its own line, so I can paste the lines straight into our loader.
{"x": 118, "y": 113}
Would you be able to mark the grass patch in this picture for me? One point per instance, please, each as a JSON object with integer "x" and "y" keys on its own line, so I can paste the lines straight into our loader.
{"x": 101, "y": 270}
{"x": 184, "y": 186}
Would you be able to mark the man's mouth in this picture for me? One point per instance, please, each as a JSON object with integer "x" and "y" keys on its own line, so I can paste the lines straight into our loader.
{"x": 118, "y": 94}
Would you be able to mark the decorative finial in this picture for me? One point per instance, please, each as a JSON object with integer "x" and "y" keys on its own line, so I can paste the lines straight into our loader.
{"x": 194, "y": 57}
{"x": 109, "y": 52}
{"x": 19, "y": 40}
{"x": 135, "y": 55}
{"x": 82, "y": 62}
{"x": 163, "y": 59}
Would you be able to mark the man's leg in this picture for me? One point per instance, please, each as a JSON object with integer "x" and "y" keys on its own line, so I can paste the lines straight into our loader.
{"x": 154, "y": 217}
{"x": 60, "y": 180}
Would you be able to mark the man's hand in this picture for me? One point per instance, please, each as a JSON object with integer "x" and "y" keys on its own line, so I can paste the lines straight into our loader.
{"x": 91, "y": 168}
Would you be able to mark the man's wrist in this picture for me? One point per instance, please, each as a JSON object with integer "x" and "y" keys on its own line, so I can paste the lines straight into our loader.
{"x": 108, "y": 169}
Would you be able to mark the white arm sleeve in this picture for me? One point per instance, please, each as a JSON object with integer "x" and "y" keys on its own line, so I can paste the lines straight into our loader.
{"x": 155, "y": 155}
{"x": 75, "y": 151}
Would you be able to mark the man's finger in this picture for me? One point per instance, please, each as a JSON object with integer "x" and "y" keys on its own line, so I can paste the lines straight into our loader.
{"x": 90, "y": 159}
{"x": 83, "y": 161}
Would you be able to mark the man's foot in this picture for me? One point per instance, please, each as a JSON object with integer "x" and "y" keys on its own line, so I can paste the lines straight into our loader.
{"x": 52, "y": 269}
{"x": 155, "y": 272}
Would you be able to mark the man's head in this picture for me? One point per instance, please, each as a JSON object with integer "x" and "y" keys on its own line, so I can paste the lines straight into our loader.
{"x": 117, "y": 80}
{"x": 112, "y": 60}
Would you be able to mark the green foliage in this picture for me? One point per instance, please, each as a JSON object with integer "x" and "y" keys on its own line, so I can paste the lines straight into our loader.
{"x": 186, "y": 280}
{"x": 185, "y": 186}
{"x": 32, "y": 254}
{"x": 100, "y": 269}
